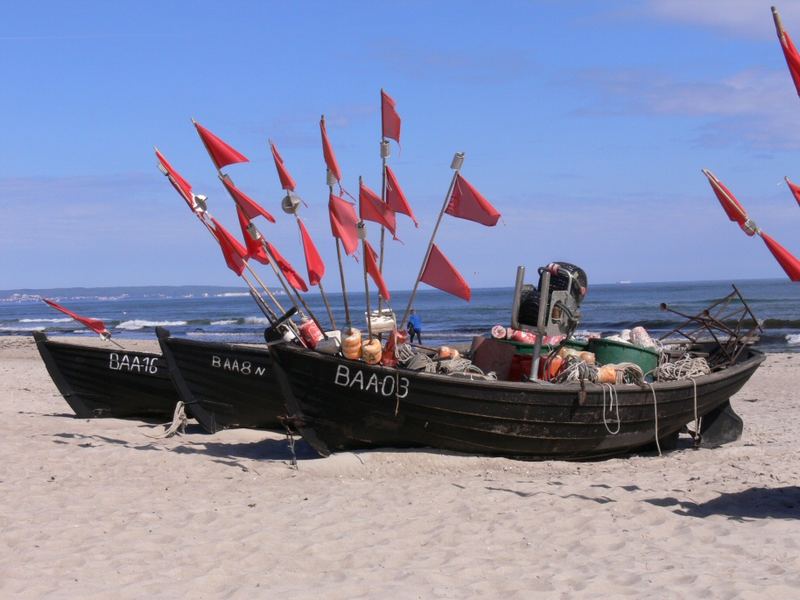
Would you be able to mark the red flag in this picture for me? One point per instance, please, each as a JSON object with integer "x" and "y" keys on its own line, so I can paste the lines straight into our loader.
{"x": 255, "y": 249}
{"x": 314, "y": 264}
{"x": 327, "y": 152}
{"x": 440, "y": 273}
{"x": 467, "y": 203}
{"x": 789, "y": 263}
{"x": 730, "y": 204}
{"x": 795, "y": 189}
{"x": 292, "y": 276}
{"x": 390, "y": 120}
{"x": 221, "y": 153}
{"x": 179, "y": 183}
{"x": 250, "y": 207}
{"x": 792, "y": 59}
{"x": 371, "y": 208}
{"x": 371, "y": 263}
{"x": 95, "y": 325}
{"x": 287, "y": 183}
{"x": 235, "y": 254}
{"x": 343, "y": 223}
{"x": 395, "y": 199}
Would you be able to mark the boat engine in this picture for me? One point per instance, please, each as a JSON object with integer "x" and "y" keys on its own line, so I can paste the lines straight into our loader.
{"x": 565, "y": 287}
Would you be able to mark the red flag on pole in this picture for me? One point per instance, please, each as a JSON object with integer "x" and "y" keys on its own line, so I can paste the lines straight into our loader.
{"x": 235, "y": 254}
{"x": 95, "y": 325}
{"x": 795, "y": 189}
{"x": 221, "y": 153}
{"x": 395, "y": 199}
{"x": 371, "y": 264}
{"x": 789, "y": 51}
{"x": 327, "y": 152}
{"x": 343, "y": 223}
{"x": 371, "y": 208}
{"x": 314, "y": 264}
{"x": 292, "y": 276}
{"x": 730, "y": 204}
{"x": 467, "y": 203}
{"x": 390, "y": 120}
{"x": 255, "y": 249}
{"x": 250, "y": 207}
{"x": 287, "y": 182}
{"x": 789, "y": 263}
{"x": 179, "y": 183}
{"x": 441, "y": 274}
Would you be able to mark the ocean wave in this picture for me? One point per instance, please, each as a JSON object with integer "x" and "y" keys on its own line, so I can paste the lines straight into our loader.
{"x": 64, "y": 320}
{"x": 793, "y": 339}
{"x": 232, "y": 295}
{"x": 141, "y": 324}
{"x": 781, "y": 324}
{"x": 225, "y": 322}
{"x": 23, "y": 328}
{"x": 255, "y": 321}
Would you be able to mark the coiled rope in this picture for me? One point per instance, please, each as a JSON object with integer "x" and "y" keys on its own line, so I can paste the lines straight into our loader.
{"x": 687, "y": 367}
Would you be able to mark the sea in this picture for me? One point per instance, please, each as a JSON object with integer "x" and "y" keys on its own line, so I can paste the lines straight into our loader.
{"x": 230, "y": 314}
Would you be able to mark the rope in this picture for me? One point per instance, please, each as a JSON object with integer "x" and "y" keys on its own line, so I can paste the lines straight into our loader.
{"x": 655, "y": 411}
{"x": 178, "y": 424}
{"x": 614, "y": 401}
{"x": 687, "y": 367}
{"x": 290, "y": 442}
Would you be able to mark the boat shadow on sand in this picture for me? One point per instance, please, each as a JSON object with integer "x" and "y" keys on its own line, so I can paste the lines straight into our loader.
{"x": 747, "y": 505}
{"x": 222, "y": 452}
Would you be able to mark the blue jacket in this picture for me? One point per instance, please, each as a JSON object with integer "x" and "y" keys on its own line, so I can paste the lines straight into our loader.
{"x": 415, "y": 322}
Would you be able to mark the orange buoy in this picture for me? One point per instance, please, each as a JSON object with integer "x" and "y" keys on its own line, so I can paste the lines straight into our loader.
{"x": 351, "y": 345}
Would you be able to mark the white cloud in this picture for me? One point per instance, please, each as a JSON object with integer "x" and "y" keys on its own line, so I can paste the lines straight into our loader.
{"x": 757, "y": 107}
{"x": 746, "y": 18}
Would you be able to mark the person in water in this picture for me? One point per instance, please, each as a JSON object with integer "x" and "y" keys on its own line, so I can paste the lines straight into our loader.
{"x": 414, "y": 327}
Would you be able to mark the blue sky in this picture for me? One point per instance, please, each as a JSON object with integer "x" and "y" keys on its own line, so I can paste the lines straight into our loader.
{"x": 585, "y": 123}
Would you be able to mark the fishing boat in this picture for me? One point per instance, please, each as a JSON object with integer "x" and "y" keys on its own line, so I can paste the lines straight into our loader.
{"x": 340, "y": 404}
{"x": 225, "y": 385}
{"x": 109, "y": 382}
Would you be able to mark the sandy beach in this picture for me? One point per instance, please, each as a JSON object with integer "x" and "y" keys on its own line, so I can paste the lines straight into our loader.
{"x": 98, "y": 509}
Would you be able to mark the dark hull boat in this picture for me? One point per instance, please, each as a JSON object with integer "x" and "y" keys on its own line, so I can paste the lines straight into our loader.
{"x": 224, "y": 385}
{"x": 338, "y": 404}
{"x": 109, "y": 382}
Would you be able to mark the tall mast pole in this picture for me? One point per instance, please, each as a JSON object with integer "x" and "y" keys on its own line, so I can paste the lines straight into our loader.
{"x": 385, "y": 153}
{"x": 456, "y": 164}
{"x": 348, "y": 322}
{"x": 362, "y": 234}
{"x": 291, "y": 204}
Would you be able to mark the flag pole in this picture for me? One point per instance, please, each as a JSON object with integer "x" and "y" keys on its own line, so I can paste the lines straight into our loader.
{"x": 778, "y": 23}
{"x": 223, "y": 177}
{"x": 348, "y": 322}
{"x": 291, "y": 204}
{"x": 385, "y": 153}
{"x": 362, "y": 234}
{"x": 456, "y": 164}
{"x": 319, "y": 284}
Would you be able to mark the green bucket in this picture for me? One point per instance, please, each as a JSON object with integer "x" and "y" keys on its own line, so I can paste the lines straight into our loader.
{"x": 609, "y": 352}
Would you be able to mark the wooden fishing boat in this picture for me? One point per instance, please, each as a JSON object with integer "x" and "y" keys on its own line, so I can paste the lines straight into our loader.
{"x": 109, "y": 382}
{"x": 225, "y": 385}
{"x": 338, "y": 404}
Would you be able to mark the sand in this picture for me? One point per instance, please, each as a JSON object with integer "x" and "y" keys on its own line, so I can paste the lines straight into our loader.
{"x": 97, "y": 509}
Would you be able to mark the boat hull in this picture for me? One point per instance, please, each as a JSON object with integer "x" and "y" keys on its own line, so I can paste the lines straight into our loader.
{"x": 339, "y": 404}
{"x": 225, "y": 385}
{"x": 103, "y": 382}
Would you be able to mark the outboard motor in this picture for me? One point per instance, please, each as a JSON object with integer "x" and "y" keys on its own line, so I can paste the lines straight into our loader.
{"x": 566, "y": 288}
